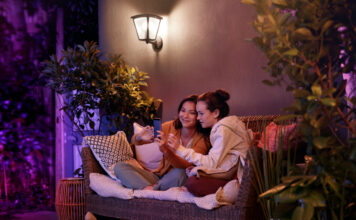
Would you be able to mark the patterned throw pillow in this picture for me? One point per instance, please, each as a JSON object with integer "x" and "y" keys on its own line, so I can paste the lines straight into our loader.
{"x": 108, "y": 150}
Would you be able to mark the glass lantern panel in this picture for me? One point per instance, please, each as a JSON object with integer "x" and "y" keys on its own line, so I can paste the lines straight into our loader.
{"x": 141, "y": 27}
{"x": 153, "y": 25}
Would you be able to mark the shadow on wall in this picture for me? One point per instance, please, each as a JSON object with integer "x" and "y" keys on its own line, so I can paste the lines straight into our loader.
{"x": 162, "y": 7}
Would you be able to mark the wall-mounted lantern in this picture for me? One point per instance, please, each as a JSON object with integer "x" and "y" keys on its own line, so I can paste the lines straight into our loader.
{"x": 147, "y": 26}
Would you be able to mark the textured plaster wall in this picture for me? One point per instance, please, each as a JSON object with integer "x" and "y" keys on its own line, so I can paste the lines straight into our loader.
{"x": 204, "y": 48}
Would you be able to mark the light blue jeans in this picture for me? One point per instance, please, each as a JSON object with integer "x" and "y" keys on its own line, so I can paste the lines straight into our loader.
{"x": 136, "y": 178}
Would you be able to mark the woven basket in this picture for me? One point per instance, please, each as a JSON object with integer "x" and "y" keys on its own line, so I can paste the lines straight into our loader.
{"x": 70, "y": 199}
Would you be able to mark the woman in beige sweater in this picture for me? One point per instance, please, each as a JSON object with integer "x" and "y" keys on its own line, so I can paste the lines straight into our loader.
{"x": 171, "y": 171}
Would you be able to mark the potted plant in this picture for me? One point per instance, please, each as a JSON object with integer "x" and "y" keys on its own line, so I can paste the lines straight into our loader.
{"x": 99, "y": 90}
{"x": 309, "y": 46}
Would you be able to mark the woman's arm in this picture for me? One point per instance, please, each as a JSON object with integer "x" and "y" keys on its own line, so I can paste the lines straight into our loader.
{"x": 169, "y": 155}
{"x": 223, "y": 140}
{"x": 175, "y": 160}
{"x": 199, "y": 146}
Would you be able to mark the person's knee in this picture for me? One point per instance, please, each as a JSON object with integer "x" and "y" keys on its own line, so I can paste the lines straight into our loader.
{"x": 203, "y": 186}
{"x": 119, "y": 167}
{"x": 174, "y": 178}
{"x": 180, "y": 175}
{"x": 192, "y": 184}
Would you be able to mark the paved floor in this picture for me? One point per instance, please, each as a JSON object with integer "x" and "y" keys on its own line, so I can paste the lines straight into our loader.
{"x": 40, "y": 215}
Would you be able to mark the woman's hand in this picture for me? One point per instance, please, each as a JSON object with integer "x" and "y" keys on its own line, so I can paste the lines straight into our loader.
{"x": 146, "y": 134}
{"x": 188, "y": 169}
{"x": 162, "y": 142}
{"x": 173, "y": 141}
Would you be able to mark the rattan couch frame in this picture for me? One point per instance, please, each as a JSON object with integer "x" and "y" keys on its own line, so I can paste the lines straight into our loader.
{"x": 245, "y": 207}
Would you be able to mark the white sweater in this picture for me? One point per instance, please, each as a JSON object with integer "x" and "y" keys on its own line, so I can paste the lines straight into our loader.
{"x": 230, "y": 140}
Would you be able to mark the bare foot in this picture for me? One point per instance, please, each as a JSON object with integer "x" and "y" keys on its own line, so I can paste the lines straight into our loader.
{"x": 184, "y": 189}
{"x": 149, "y": 187}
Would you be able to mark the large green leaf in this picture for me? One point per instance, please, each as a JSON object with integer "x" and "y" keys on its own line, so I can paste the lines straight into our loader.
{"x": 285, "y": 118}
{"x": 291, "y": 52}
{"x": 290, "y": 179}
{"x": 303, "y": 33}
{"x": 328, "y": 102}
{"x": 308, "y": 212}
{"x": 304, "y": 181}
{"x": 280, "y": 2}
{"x": 352, "y": 100}
{"x": 315, "y": 198}
{"x": 333, "y": 184}
{"x": 298, "y": 213}
{"x": 312, "y": 97}
{"x": 273, "y": 191}
{"x": 291, "y": 194}
{"x": 326, "y": 25}
{"x": 316, "y": 90}
{"x": 321, "y": 122}
{"x": 321, "y": 142}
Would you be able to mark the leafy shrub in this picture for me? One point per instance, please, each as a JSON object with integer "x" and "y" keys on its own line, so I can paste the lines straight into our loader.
{"x": 309, "y": 46}
{"x": 25, "y": 148}
{"x": 91, "y": 83}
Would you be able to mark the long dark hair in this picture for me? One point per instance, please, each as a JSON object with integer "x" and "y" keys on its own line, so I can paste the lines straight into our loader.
{"x": 216, "y": 100}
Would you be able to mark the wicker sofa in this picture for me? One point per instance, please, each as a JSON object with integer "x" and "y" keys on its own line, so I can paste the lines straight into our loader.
{"x": 245, "y": 207}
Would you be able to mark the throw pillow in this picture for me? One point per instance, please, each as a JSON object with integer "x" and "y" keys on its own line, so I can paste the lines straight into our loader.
{"x": 108, "y": 150}
{"x": 148, "y": 155}
{"x": 106, "y": 187}
{"x": 270, "y": 138}
{"x": 228, "y": 193}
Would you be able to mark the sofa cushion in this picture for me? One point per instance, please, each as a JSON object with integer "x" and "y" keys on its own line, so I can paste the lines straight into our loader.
{"x": 148, "y": 155}
{"x": 276, "y": 134}
{"x": 108, "y": 150}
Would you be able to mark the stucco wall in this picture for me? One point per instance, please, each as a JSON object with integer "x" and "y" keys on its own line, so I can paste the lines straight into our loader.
{"x": 204, "y": 48}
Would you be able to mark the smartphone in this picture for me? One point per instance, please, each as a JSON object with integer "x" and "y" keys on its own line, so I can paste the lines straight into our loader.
{"x": 156, "y": 126}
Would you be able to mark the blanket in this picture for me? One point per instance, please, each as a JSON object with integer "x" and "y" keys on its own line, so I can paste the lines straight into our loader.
{"x": 105, "y": 186}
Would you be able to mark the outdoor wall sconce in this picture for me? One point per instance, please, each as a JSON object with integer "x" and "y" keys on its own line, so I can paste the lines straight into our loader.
{"x": 147, "y": 26}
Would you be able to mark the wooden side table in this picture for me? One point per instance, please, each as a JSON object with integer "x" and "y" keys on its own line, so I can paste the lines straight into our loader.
{"x": 70, "y": 204}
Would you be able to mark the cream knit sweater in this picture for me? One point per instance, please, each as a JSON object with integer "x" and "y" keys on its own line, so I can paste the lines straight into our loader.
{"x": 230, "y": 140}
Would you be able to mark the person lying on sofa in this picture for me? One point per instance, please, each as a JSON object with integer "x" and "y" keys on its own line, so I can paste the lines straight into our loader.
{"x": 230, "y": 140}
{"x": 171, "y": 171}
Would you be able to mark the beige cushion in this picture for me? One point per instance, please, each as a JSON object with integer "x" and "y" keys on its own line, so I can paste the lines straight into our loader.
{"x": 148, "y": 155}
{"x": 228, "y": 194}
